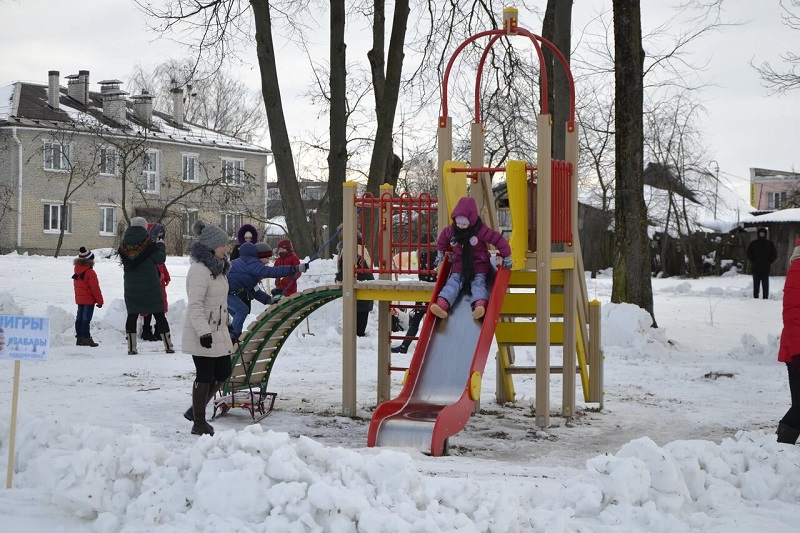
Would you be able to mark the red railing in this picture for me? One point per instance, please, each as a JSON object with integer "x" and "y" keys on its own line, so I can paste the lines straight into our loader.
{"x": 412, "y": 219}
{"x": 561, "y": 205}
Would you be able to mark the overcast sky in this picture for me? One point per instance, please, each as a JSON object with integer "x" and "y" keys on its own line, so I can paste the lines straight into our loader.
{"x": 745, "y": 128}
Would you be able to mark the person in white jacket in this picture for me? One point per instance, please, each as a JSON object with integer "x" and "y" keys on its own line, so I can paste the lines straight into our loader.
{"x": 205, "y": 330}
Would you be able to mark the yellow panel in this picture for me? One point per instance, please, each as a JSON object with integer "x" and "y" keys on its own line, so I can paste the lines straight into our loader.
{"x": 524, "y": 304}
{"x": 527, "y": 278}
{"x": 524, "y": 333}
{"x": 455, "y": 184}
{"x": 386, "y": 295}
{"x": 517, "y": 190}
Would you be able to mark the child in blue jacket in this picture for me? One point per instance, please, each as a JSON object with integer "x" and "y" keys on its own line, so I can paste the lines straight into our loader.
{"x": 245, "y": 273}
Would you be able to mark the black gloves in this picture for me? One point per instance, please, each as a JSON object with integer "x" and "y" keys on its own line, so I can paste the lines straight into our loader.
{"x": 205, "y": 340}
{"x": 277, "y": 291}
{"x": 302, "y": 267}
{"x": 99, "y": 306}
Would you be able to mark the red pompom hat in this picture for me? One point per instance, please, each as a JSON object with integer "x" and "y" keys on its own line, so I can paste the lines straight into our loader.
{"x": 286, "y": 244}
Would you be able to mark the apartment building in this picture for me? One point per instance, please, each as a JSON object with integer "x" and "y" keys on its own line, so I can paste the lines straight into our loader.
{"x": 76, "y": 163}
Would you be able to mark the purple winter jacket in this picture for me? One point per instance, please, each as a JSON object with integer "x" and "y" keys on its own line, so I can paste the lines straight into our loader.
{"x": 466, "y": 207}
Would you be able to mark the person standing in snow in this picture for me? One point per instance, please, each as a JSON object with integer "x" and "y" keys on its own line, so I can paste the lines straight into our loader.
{"x": 140, "y": 257}
{"x": 246, "y": 233}
{"x": 762, "y": 253}
{"x": 789, "y": 352}
{"x": 157, "y": 233}
{"x": 363, "y": 262}
{"x": 467, "y": 238}
{"x": 205, "y": 330}
{"x": 87, "y": 295}
{"x": 286, "y": 286}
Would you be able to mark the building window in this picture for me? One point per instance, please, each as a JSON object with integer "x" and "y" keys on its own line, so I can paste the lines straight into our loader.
{"x": 150, "y": 180}
{"x": 108, "y": 219}
{"x": 273, "y": 193}
{"x": 776, "y": 199}
{"x": 189, "y": 218}
{"x": 232, "y": 222}
{"x": 233, "y": 171}
{"x": 190, "y": 168}
{"x": 52, "y": 217}
{"x": 56, "y": 155}
{"x": 108, "y": 161}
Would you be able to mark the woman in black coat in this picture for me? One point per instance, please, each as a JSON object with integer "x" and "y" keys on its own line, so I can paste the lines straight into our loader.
{"x": 139, "y": 256}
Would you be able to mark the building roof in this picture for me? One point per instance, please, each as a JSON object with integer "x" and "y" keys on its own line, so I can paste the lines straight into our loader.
{"x": 25, "y": 104}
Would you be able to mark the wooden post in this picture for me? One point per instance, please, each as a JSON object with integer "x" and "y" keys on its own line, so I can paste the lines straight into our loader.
{"x": 543, "y": 254}
{"x": 13, "y": 432}
{"x": 445, "y": 153}
{"x": 571, "y": 280}
{"x": 384, "y": 313}
{"x": 349, "y": 253}
{"x": 595, "y": 355}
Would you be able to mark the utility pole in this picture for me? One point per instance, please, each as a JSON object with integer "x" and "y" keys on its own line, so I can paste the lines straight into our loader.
{"x": 716, "y": 186}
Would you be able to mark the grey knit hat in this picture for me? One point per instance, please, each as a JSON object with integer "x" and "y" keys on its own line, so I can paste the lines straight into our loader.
{"x": 139, "y": 221}
{"x": 209, "y": 235}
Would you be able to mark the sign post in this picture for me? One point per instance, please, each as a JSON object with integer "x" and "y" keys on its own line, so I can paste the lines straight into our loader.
{"x": 21, "y": 338}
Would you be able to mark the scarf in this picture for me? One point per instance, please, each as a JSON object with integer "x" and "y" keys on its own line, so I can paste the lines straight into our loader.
{"x": 216, "y": 265}
{"x": 462, "y": 237}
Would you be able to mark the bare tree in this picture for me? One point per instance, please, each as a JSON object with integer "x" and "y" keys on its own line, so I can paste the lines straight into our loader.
{"x": 782, "y": 80}
{"x": 632, "y": 258}
{"x": 214, "y": 98}
{"x": 222, "y": 24}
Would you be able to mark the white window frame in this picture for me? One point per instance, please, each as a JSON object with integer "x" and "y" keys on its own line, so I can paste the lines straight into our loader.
{"x": 56, "y": 161}
{"x": 776, "y": 199}
{"x": 231, "y": 222}
{"x": 105, "y": 228}
{"x": 109, "y": 161}
{"x": 151, "y": 182}
{"x": 190, "y": 168}
{"x": 232, "y": 171}
{"x": 190, "y": 217}
{"x": 51, "y": 219}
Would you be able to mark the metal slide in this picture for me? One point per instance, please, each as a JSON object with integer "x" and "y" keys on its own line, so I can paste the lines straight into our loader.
{"x": 443, "y": 380}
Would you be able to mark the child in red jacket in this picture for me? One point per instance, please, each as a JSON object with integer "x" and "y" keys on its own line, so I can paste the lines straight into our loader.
{"x": 87, "y": 295}
{"x": 286, "y": 285}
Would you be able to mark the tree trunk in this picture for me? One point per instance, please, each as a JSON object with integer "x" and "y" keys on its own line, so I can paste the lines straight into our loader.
{"x": 337, "y": 157}
{"x": 292, "y": 203}
{"x": 632, "y": 282}
{"x": 387, "y": 89}
{"x": 557, "y": 28}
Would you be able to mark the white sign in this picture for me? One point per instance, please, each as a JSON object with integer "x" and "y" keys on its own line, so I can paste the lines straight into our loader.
{"x": 24, "y": 338}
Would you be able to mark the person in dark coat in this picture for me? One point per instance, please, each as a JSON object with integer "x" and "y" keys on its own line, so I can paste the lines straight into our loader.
{"x": 140, "y": 256}
{"x": 762, "y": 253}
{"x": 789, "y": 352}
{"x": 87, "y": 295}
{"x": 246, "y": 272}
{"x": 205, "y": 330}
{"x": 467, "y": 237}
{"x": 363, "y": 261}
{"x": 425, "y": 261}
{"x": 246, "y": 233}
{"x": 157, "y": 234}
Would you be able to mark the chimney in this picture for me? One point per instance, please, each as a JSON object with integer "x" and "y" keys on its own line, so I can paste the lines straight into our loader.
{"x": 78, "y": 86}
{"x": 143, "y": 107}
{"x": 53, "y": 88}
{"x": 114, "y": 102}
{"x": 177, "y": 105}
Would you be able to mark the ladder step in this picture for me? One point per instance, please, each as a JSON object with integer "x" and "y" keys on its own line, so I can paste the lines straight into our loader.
{"x": 532, "y": 370}
{"x": 524, "y": 333}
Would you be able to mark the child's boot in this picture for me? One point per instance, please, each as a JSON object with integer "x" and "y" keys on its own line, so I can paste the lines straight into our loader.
{"x": 440, "y": 307}
{"x": 480, "y": 309}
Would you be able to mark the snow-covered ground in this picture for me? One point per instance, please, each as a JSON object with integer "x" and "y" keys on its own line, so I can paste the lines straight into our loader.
{"x": 685, "y": 441}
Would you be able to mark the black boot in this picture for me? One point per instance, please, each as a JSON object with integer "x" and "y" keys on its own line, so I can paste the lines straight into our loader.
{"x": 147, "y": 334}
{"x": 787, "y": 434}
{"x": 402, "y": 348}
{"x": 213, "y": 389}
{"x": 89, "y": 341}
{"x": 199, "y": 400}
{"x": 167, "y": 342}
